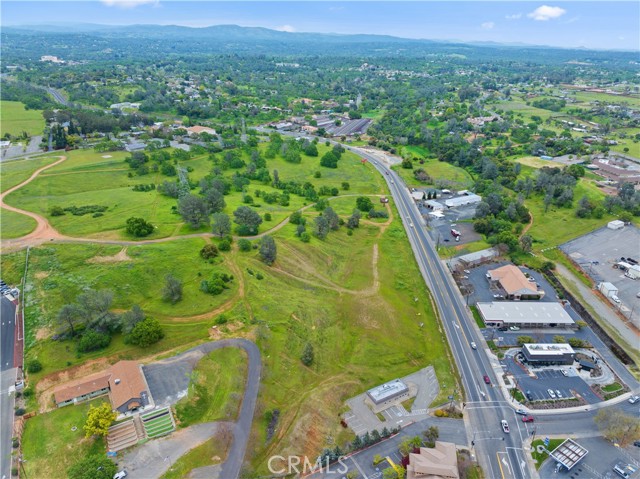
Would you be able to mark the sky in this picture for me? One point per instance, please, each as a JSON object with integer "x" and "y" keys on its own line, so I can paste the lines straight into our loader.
{"x": 610, "y": 25}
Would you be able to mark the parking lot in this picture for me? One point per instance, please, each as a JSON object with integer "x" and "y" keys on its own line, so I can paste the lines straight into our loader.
{"x": 483, "y": 293}
{"x": 599, "y": 251}
{"x": 552, "y": 378}
{"x": 440, "y": 228}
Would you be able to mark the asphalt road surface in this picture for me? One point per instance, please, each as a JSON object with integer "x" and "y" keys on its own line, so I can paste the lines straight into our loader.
{"x": 7, "y": 333}
{"x": 7, "y": 379}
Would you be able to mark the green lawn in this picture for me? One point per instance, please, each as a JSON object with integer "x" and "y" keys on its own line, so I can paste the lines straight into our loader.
{"x": 15, "y": 119}
{"x": 539, "y": 458}
{"x": 210, "y": 452}
{"x": 15, "y": 225}
{"x": 216, "y": 387}
{"x": 50, "y": 446}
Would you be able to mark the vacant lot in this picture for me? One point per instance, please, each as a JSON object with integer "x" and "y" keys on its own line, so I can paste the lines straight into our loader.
{"x": 216, "y": 388}
{"x": 54, "y": 441}
{"x": 16, "y": 119}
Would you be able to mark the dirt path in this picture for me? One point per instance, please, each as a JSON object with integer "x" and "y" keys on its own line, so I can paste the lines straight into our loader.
{"x": 44, "y": 231}
{"x": 529, "y": 225}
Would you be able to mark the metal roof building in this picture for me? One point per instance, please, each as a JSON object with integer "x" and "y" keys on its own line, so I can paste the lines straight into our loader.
{"x": 466, "y": 199}
{"x": 569, "y": 453}
{"x": 524, "y": 313}
{"x": 554, "y": 353}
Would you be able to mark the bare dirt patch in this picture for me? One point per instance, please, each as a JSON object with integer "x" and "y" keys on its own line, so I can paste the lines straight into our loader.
{"x": 43, "y": 333}
{"x": 118, "y": 257}
{"x": 41, "y": 275}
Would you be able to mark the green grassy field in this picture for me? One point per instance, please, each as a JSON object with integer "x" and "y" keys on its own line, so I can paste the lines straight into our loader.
{"x": 14, "y": 172}
{"x": 50, "y": 446}
{"x": 216, "y": 388}
{"x": 15, "y": 225}
{"x": 438, "y": 170}
{"x": 559, "y": 225}
{"x": 212, "y": 451}
{"x": 15, "y": 119}
{"x": 105, "y": 182}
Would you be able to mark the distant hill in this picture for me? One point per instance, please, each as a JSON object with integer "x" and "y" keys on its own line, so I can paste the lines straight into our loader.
{"x": 82, "y": 41}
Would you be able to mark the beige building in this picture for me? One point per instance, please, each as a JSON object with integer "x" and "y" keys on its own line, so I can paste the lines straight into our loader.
{"x": 440, "y": 462}
{"x": 514, "y": 283}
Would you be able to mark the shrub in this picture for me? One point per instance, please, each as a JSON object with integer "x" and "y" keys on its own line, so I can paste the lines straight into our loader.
{"x": 34, "y": 366}
{"x": 209, "y": 251}
{"x": 267, "y": 216}
{"x": 225, "y": 245}
{"x": 139, "y": 227}
{"x": 305, "y": 237}
{"x": 20, "y": 411}
{"x": 93, "y": 340}
{"x": 244, "y": 245}
{"x": 364, "y": 203}
{"x": 145, "y": 333}
{"x": 56, "y": 211}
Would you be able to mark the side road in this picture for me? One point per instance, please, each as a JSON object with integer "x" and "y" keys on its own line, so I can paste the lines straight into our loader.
{"x": 152, "y": 459}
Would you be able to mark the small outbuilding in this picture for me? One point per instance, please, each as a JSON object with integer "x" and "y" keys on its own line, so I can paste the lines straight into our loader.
{"x": 608, "y": 289}
{"x": 615, "y": 225}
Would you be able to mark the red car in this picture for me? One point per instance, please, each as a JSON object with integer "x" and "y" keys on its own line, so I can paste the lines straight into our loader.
{"x": 527, "y": 418}
{"x": 486, "y": 379}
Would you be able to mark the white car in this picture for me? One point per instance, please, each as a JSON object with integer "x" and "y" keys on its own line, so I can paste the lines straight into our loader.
{"x": 634, "y": 399}
{"x": 120, "y": 475}
{"x": 505, "y": 426}
{"x": 466, "y": 271}
{"x": 473, "y": 345}
{"x": 615, "y": 299}
{"x": 410, "y": 225}
{"x": 514, "y": 328}
{"x": 558, "y": 393}
{"x": 564, "y": 372}
{"x": 551, "y": 393}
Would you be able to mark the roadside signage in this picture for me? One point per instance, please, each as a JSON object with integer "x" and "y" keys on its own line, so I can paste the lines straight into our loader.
{"x": 546, "y": 441}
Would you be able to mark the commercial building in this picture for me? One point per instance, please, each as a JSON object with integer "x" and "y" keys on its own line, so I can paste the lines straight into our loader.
{"x": 417, "y": 195}
{"x": 555, "y": 353}
{"x": 527, "y": 315}
{"x": 514, "y": 283}
{"x": 441, "y": 462}
{"x": 434, "y": 205}
{"x": 388, "y": 394}
{"x": 465, "y": 199}
{"x": 196, "y": 130}
{"x": 124, "y": 382}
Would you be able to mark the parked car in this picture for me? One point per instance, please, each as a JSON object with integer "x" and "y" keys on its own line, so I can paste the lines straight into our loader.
{"x": 558, "y": 393}
{"x": 486, "y": 379}
{"x": 634, "y": 399}
{"x": 466, "y": 271}
{"x": 615, "y": 299}
{"x": 522, "y": 412}
{"x": 514, "y": 328}
{"x": 503, "y": 328}
{"x": 120, "y": 475}
{"x": 473, "y": 345}
{"x": 551, "y": 393}
{"x": 636, "y": 443}
{"x": 505, "y": 426}
{"x": 529, "y": 395}
{"x": 527, "y": 418}
{"x": 624, "y": 470}
{"x": 564, "y": 372}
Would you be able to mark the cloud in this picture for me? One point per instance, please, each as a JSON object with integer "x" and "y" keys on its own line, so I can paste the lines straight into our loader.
{"x": 487, "y": 25}
{"x": 515, "y": 16}
{"x": 545, "y": 12}
{"x": 286, "y": 28}
{"x": 128, "y": 3}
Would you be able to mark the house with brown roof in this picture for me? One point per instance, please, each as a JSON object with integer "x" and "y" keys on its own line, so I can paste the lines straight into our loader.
{"x": 124, "y": 382}
{"x": 514, "y": 283}
{"x": 440, "y": 462}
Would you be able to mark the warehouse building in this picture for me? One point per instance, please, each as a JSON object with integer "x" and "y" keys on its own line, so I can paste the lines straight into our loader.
{"x": 525, "y": 315}
{"x": 545, "y": 354}
{"x": 514, "y": 283}
{"x": 465, "y": 199}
